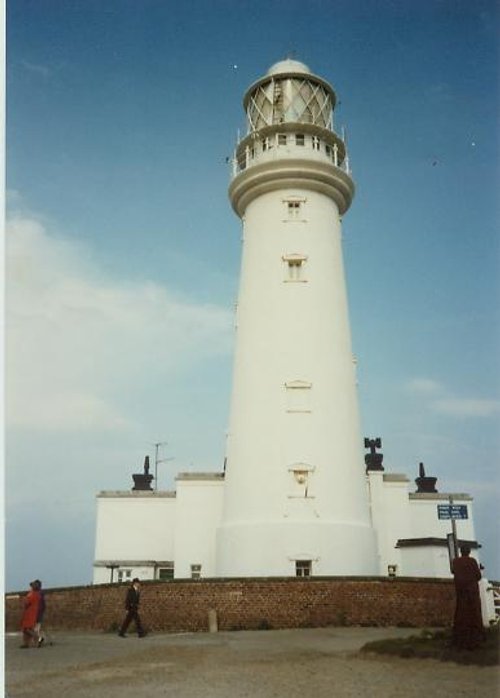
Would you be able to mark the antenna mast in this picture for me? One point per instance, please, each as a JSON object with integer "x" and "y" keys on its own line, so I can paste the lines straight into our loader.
{"x": 158, "y": 460}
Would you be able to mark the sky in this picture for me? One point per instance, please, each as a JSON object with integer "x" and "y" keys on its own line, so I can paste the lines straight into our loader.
{"x": 123, "y": 253}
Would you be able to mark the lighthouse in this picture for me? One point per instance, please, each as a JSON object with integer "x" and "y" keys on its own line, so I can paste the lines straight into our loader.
{"x": 296, "y": 500}
{"x": 297, "y": 497}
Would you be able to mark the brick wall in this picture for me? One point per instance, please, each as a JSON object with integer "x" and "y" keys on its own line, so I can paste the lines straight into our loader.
{"x": 183, "y": 605}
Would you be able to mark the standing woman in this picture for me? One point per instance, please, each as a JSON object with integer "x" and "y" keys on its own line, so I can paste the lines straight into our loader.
{"x": 30, "y": 615}
{"x": 468, "y": 631}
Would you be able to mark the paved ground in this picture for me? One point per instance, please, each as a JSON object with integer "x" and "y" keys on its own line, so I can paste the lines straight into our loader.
{"x": 308, "y": 663}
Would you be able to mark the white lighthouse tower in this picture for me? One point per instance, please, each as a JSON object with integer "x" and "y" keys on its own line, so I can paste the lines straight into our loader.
{"x": 296, "y": 499}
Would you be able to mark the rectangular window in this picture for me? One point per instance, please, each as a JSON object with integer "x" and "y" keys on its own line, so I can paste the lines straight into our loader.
{"x": 315, "y": 142}
{"x": 328, "y": 150}
{"x": 299, "y": 139}
{"x": 298, "y": 396}
{"x": 124, "y": 575}
{"x": 265, "y": 144}
{"x": 294, "y": 266}
{"x": 195, "y": 571}
{"x": 281, "y": 138}
{"x": 293, "y": 209}
{"x": 166, "y": 572}
{"x": 303, "y": 568}
{"x": 294, "y": 269}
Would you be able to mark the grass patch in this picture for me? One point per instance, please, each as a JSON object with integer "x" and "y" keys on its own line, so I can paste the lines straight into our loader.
{"x": 437, "y": 645}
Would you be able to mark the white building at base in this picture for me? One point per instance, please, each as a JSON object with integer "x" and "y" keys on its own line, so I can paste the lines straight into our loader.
{"x": 295, "y": 497}
{"x": 172, "y": 535}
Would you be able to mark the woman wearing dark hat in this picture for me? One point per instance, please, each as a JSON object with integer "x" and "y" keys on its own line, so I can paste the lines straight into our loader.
{"x": 29, "y": 619}
{"x": 132, "y": 606}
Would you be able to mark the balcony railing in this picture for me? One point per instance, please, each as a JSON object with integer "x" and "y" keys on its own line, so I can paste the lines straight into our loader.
{"x": 284, "y": 146}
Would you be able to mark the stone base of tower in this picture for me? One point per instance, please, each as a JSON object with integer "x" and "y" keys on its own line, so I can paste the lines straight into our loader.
{"x": 279, "y": 549}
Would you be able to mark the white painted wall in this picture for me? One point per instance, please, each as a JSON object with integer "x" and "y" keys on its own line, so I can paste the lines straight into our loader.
{"x": 290, "y": 332}
{"x": 199, "y": 510}
{"x": 390, "y": 515}
{"x": 424, "y": 519}
{"x": 400, "y": 514}
{"x": 428, "y": 561}
{"x": 134, "y": 526}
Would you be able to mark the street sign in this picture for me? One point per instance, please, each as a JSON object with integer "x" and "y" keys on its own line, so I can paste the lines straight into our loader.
{"x": 452, "y": 511}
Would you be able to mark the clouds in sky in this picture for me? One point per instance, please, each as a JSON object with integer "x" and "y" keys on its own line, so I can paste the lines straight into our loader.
{"x": 97, "y": 369}
{"x": 79, "y": 343}
{"x": 438, "y": 399}
{"x": 36, "y": 68}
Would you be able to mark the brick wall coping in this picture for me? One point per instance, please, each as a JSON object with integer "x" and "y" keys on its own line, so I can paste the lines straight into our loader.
{"x": 457, "y": 496}
{"x": 138, "y": 494}
{"x": 250, "y": 580}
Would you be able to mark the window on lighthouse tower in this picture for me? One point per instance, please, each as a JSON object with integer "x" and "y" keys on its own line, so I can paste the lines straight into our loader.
{"x": 294, "y": 207}
{"x": 294, "y": 267}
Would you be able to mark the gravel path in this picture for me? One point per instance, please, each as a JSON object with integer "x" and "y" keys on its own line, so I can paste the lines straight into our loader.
{"x": 306, "y": 663}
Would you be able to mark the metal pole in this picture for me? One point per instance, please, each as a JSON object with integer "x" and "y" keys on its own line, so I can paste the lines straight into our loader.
{"x": 453, "y": 528}
{"x": 157, "y": 446}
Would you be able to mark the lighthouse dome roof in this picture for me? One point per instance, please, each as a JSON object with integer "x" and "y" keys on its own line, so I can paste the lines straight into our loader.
{"x": 288, "y": 66}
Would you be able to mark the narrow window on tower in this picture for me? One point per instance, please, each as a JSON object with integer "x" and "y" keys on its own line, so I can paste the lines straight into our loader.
{"x": 299, "y": 139}
{"x": 281, "y": 138}
{"x": 294, "y": 209}
{"x": 294, "y": 206}
{"x": 298, "y": 396}
{"x": 315, "y": 142}
{"x": 303, "y": 568}
{"x": 265, "y": 144}
{"x": 294, "y": 267}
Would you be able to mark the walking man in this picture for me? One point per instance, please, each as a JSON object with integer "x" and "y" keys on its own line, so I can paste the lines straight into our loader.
{"x": 132, "y": 606}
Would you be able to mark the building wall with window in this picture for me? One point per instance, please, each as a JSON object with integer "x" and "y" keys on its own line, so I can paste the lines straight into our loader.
{"x": 134, "y": 535}
{"x": 411, "y": 538}
{"x": 199, "y": 511}
{"x": 173, "y": 535}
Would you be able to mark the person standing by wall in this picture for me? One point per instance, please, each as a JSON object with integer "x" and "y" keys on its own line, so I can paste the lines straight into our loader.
{"x": 132, "y": 601}
{"x": 468, "y": 623}
{"x": 29, "y": 619}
